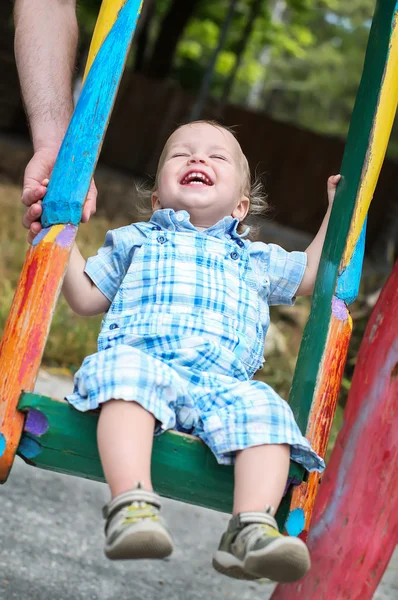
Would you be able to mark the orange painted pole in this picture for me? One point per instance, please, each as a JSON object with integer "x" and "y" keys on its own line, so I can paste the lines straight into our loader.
{"x": 26, "y": 331}
{"x": 319, "y": 366}
{"x": 355, "y": 523}
{"x": 321, "y": 416}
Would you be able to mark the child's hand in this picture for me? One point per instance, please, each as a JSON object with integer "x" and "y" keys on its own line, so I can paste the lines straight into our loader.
{"x": 332, "y": 186}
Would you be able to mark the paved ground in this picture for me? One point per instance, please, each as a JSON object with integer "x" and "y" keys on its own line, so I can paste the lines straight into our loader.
{"x": 51, "y": 545}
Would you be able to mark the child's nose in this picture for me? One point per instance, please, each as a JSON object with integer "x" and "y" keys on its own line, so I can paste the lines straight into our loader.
{"x": 197, "y": 158}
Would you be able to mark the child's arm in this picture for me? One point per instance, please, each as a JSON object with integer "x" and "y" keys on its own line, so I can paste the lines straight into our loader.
{"x": 314, "y": 250}
{"x": 81, "y": 294}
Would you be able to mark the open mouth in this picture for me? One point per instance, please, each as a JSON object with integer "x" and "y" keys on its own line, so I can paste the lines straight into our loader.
{"x": 196, "y": 178}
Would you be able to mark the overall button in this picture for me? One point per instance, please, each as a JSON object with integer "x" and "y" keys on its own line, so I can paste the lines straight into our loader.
{"x": 240, "y": 243}
{"x": 161, "y": 239}
{"x": 114, "y": 326}
{"x": 180, "y": 217}
{"x": 156, "y": 228}
{"x": 234, "y": 255}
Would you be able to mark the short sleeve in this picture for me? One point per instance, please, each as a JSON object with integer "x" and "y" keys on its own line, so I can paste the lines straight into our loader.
{"x": 280, "y": 272}
{"x": 108, "y": 268}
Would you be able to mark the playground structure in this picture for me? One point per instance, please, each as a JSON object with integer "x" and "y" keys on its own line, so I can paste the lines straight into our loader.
{"x": 354, "y": 528}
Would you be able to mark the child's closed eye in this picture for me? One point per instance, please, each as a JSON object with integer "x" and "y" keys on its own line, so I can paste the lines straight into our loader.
{"x": 220, "y": 156}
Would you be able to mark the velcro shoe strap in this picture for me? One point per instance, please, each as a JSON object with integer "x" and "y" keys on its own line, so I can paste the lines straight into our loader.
{"x": 243, "y": 519}
{"x": 127, "y": 498}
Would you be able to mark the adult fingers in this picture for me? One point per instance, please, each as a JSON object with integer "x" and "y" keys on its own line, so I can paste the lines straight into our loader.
{"x": 35, "y": 228}
{"x": 90, "y": 206}
{"x": 30, "y": 195}
{"x": 32, "y": 214}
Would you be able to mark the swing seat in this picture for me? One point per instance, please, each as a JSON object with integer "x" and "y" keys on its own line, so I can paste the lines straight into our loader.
{"x": 59, "y": 438}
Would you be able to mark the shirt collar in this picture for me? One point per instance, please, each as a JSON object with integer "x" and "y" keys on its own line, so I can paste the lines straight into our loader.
{"x": 179, "y": 220}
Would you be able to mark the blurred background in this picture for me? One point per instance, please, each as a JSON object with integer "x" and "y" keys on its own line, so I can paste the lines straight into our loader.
{"x": 285, "y": 73}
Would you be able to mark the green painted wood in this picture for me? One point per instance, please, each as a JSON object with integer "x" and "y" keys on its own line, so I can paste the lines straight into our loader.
{"x": 183, "y": 468}
{"x": 312, "y": 347}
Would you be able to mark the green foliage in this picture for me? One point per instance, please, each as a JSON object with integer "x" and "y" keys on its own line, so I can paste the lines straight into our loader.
{"x": 225, "y": 62}
{"x": 305, "y": 62}
{"x": 87, "y": 12}
{"x": 290, "y": 37}
{"x": 317, "y": 89}
{"x": 191, "y": 50}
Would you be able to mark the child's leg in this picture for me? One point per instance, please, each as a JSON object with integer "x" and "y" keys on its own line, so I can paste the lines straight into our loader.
{"x": 133, "y": 528}
{"x": 252, "y": 546}
{"x": 125, "y": 436}
{"x": 260, "y": 477}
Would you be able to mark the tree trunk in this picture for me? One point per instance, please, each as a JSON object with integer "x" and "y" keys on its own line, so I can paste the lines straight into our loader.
{"x": 254, "y": 12}
{"x": 277, "y": 14}
{"x": 141, "y": 35}
{"x": 204, "y": 88}
{"x": 174, "y": 22}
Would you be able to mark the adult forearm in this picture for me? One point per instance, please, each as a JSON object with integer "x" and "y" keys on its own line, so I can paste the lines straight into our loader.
{"x": 46, "y": 36}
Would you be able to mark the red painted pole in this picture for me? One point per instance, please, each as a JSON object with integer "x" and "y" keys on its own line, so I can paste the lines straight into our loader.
{"x": 355, "y": 522}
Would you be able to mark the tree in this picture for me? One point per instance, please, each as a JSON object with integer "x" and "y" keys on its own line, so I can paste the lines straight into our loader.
{"x": 142, "y": 35}
{"x": 173, "y": 24}
{"x": 317, "y": 90}
{"x": 204, "y": 90}
{"x": 240, "y": 49}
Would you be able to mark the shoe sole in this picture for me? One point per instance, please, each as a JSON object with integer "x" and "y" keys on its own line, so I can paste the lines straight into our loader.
{"x": 285, "y": 560}
{"x": 140, "y": 544}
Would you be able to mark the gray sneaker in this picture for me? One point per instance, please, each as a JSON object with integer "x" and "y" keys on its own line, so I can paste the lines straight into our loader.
{"x": 253, "y": 548}
{"x": 134, "y": 528}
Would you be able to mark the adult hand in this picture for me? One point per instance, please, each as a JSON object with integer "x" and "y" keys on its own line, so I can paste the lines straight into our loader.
{"x": 36, "y": 178}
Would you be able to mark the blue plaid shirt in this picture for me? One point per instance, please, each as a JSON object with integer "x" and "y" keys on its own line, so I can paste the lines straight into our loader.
{"x": 185, "y": 332}
{"x": 278, "y": 272}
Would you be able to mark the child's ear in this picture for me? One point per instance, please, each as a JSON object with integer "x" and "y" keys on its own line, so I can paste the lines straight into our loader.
{"x": 241, "y": 209}
{"x": 155, "y": 201}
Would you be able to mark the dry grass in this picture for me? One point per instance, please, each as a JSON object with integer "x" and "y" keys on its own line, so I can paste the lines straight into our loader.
{"x": 71, "y": 337}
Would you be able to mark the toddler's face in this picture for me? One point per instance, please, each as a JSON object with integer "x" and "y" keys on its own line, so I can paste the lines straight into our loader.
{"x": 202, "y": 172}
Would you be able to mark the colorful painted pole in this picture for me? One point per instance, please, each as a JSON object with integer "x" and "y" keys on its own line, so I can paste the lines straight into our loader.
{"x": 28, "y": 324}
{"x": 355, "y": 524}
{"x": 325, "y": 342}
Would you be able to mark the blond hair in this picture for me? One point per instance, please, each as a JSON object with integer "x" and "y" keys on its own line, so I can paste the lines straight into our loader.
{"x": 252, "y": 188}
